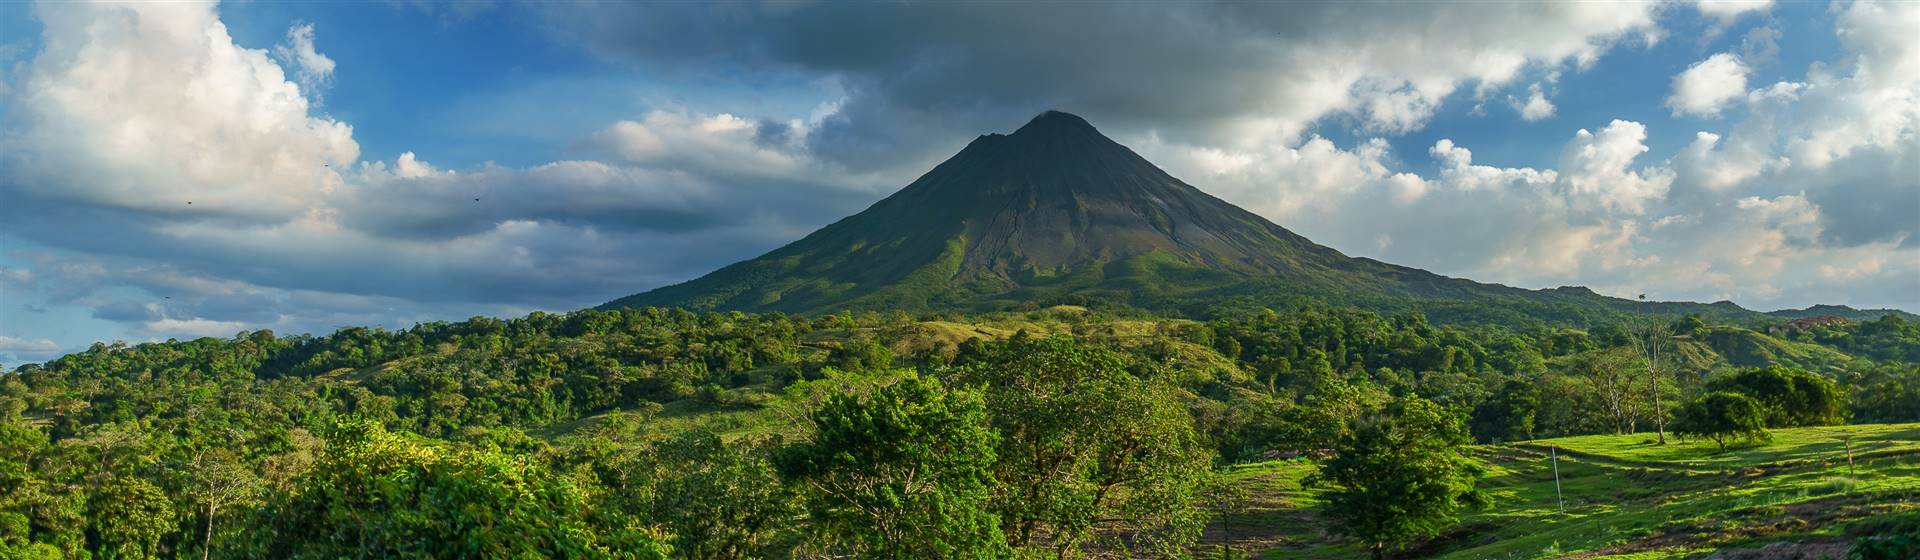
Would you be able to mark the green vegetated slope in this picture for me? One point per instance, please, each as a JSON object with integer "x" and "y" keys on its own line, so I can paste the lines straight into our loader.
{"x": 1057, "y": 213}
{"x": 1626, "y": 497}
{"x": 1841, "y": 311}
{"x": 1746, "y": 347}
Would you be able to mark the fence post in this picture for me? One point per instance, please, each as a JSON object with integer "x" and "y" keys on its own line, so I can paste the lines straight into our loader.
{"x": 1554, "y": 452}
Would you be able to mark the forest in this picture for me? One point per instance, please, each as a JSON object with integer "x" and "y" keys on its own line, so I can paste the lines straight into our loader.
{"x": 1059, "y": 432}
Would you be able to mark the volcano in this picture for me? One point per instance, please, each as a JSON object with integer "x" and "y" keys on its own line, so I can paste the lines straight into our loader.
{"x": 1057, "y": 213}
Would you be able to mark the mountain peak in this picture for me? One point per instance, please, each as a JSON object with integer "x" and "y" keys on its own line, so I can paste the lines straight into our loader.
{"x": 1057, "y": 124}
{"x": 1054, "y": 208}
{"x": 1057, "y": 211}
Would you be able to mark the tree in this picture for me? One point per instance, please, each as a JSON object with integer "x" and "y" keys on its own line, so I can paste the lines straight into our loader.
{"x": 719, "y": 501}
{"x": 1792, "y": 397}
{"x": 377, "y": 494}
{"x": 1883, "y": 393}
{"x": 1509, "y": 414}
{"x": 130, "y": 515}
{"x": 1723, "y": 416}
{"x": 1650, "y": 341}
{"x": 902, "y": 473}
{"x": 861, "y": 354}
{"x": 1324, "y": 418}
{"x": 1607, "y": 371}
{"x": 218, "y": 479}
{"x": 1083, "y": 443}
{"x": 1399, "y": 476}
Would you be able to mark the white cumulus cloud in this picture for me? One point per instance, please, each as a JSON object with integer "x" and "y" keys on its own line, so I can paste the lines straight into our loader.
{"x": 314, "y": 69}
{"x": 17, "y": 350}
{"x": 190, "y": 156}
{"x": 1708, "y": 86}
{"x": 1535, "y": 106}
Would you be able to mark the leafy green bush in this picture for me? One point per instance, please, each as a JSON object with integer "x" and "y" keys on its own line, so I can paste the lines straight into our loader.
{"x": 1722, "y": 417}
{"x": 379, "y": 494}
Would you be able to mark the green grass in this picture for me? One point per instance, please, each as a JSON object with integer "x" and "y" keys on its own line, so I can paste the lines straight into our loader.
{"x": 1626, "y": 498}
{"x": 1800, "y": 444}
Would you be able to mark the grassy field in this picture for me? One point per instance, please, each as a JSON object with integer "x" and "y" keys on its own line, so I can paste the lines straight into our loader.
{"x": 1627, "y": 498}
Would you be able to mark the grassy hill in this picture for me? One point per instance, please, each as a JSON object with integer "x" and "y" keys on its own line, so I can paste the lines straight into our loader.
{"x": 1627, "y": 498}
{"x": 1748, "y": 348}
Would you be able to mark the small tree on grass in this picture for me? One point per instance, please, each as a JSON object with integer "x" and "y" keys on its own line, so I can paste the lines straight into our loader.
{"x": 1723, "y": 416}
{"x": 1399, "y": 476}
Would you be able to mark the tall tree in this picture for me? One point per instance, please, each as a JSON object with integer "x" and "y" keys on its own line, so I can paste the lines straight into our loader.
{"x": 720, "y": 501}
{"x": 130, "y": 515}
{"x": 218, "y": 479}
{"x": 1399, "y": 476}
{"x": 1792, "y": 397}
{"x": 1650, "y": 343}
{"x": 1084, "y": 443}
{"x": 1509, "y": 414}
{"x": 899, "y": 474}
{"x": 1610, "y": 374}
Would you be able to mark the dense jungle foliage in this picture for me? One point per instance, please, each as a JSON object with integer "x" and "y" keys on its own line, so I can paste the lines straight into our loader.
{"x": 655, "y": 433}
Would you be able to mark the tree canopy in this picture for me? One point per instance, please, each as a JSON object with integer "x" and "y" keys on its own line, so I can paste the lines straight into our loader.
{"x": 647, "y": 432}
{"x": 1723, "y": 417}
{"x": 903, "y": 473}
{"x": 1399, "y": 476}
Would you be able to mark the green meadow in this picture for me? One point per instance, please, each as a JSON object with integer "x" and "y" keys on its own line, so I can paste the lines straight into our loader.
{"x": 1625, "y": 497}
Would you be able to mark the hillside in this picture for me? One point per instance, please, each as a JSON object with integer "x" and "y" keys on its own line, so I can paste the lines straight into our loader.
{"x": 1626, "y": 498}
{"x": 1058, "y": 213}
{"x": 1843, "y": 312}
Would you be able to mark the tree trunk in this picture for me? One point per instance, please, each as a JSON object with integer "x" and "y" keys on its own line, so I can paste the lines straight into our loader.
{"x": 1650, "y": 351}
{"x": 1653, "y": 387}
{"x": 1659, "y": 419}
{"x": 206, "y": 543}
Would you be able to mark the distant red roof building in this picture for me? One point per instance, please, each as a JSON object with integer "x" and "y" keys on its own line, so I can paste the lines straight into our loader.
{"x": 1804, "y": 322}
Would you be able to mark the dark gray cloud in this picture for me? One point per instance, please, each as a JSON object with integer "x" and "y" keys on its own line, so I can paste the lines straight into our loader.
{"x": 1201, "y": 71}
{"x": 609, "y": 198}
{"x": 1873, "y": 198}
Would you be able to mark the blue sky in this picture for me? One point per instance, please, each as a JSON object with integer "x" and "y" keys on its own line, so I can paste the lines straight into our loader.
{"x": 333, "y": 151}
{"x": 1630, "y": 82}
